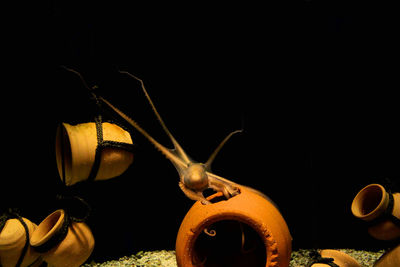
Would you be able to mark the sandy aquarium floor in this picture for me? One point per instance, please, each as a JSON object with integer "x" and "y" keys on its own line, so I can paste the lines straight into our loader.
{"x": 167, "y": 259}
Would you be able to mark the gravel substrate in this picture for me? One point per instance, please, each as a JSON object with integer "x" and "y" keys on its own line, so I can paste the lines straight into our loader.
{"x": 142, "y": 259}
{"x": 365, "y": 258}
{"x": 167, "y": 259}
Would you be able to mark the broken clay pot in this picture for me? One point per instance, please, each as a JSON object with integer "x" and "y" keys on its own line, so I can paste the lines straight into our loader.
{"x": 245, "y": 230}
{"x": 380, "y": 209}
{"x": 339, "y": 258}
{"x": 12, "y": 242}
{"x": 76, "y": 148}
{"x": 391, "y": 258}
{"x": 61, "y": 241}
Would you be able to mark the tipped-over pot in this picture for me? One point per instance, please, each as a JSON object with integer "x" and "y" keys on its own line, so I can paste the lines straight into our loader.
{"x": 380, "y": 209}
{"x": 96, "y": 151}
{"x": 62, "y": 241}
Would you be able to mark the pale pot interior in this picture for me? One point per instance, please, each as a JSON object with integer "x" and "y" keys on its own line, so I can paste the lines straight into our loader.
{"x": 47, "y": 228}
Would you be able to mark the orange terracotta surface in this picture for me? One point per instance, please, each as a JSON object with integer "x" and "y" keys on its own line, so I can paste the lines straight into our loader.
{"x": 76, "y": 247}
{"x": 390, "y": 259}
{"x": 370, "y": 203}
{"x": 76, "y": 145}
{"x": 12, "y": 242}
{"x": 340, "y": 258}
{"x": 248, "y": 208}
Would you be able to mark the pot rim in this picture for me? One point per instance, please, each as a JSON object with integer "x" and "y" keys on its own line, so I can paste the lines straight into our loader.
{"x": 270, "y": 247}
{"x": 269, "y": 241}
{"x": 356, "y": 207}
{"x": 47, "y": 228}
{"x": 64, "y": 153}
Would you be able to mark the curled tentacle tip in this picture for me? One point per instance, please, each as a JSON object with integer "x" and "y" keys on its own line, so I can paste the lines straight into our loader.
{"x": 211, "y": 232}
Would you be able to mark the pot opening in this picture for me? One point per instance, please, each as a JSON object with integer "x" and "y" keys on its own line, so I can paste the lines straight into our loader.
{"x": 63, "y": 153}
{"x": 46, "y": 228}
{"x": 368, "y": 200}
{"x": 229, "y": 243}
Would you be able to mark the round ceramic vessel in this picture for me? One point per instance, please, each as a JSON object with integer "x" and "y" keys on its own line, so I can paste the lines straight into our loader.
{"x": 371, "y": 204}
{"x": 12, "y": 242}
{"x": 76, "y": 148}
{"x": 246, "y": 230}
{"x": 390, "y": 259}
{"x": 73, "y": 250}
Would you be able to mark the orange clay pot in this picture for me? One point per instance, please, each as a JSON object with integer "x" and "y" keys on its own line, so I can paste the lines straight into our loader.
{"x": 371, "y": 204}
{"x": 71, "y": 251}
{"x": 12, "y": 242}
{"x": 390, "y": 259}
{"x": 339, "y": 258}
{"x": 248, "y": 231}
{"x": 76, "y": 146}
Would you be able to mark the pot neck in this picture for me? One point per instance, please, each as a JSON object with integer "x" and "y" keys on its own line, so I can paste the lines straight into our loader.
{"x": 387, "y": 213}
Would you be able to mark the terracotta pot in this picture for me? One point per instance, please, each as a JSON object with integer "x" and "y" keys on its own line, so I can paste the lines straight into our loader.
{"x": 72, "y": 250}
{"x": 339, "y": 258}
{"x": 390, "y": 259}
{"x": 12, "y": 242}
{"x": 249, "y": 231}
{"x": 76, "y": 147}
{"x": 371, "y": 205}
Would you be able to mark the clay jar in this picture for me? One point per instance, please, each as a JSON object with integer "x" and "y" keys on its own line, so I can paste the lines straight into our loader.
{"x": 390, "y": 259}
{"x": 246, "y": 230}
{"x": 76, "y": 148}
{"x": 12, "y": 241}
{"x": 72, "y": 250}
{"x": 371, "y": 205}
{"x": 339, "y": 258}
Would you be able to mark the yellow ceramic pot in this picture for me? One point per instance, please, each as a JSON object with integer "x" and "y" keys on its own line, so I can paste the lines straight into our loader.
{"x": 246, "y": 230}
{"x": 76, "y": 151}
{"x": 60, "y": 248}
{"x": 390, "y": 259}
{"x": 374, "y": 204}
{"x": 12, "y": 241}
{"x": 339, "y": 258}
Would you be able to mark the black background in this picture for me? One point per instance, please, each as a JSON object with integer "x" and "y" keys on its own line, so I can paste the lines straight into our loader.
{"x": 314, "y": 86}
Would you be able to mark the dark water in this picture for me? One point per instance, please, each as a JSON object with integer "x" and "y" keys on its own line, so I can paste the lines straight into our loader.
{"x": 310, "y": 84}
